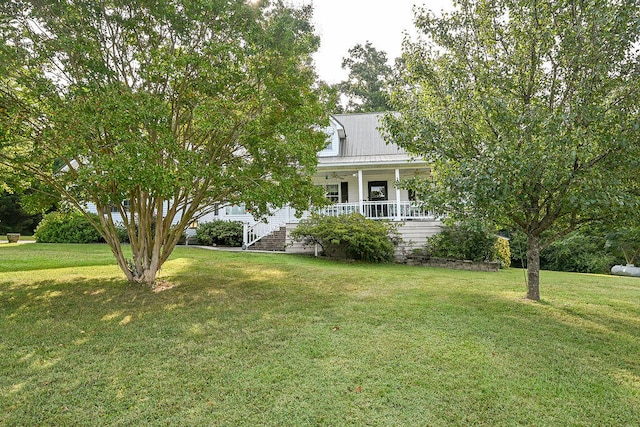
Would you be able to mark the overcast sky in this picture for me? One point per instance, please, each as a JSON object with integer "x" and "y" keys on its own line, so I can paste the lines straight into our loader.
{"x": 344, "y": 23}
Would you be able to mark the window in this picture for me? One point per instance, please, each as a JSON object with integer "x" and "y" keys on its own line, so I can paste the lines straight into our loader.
{"x": 332, "y": 192}
{"x": 126, "y": 204}
{"x": 378, "y": 190}
{"x": 235, "y": 210}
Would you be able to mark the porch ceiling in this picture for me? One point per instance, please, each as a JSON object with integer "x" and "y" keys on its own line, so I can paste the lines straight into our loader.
{"x": 371, "y": 162}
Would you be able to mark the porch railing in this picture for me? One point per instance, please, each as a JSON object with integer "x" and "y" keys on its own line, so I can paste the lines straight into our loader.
{"x": 387, "y": 209}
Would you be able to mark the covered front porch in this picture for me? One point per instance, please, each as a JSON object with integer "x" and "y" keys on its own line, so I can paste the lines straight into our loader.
{"x": 374, "y": 193}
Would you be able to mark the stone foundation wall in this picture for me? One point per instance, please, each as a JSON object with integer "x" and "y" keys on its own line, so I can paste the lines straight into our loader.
{"x": 452, "y": 264}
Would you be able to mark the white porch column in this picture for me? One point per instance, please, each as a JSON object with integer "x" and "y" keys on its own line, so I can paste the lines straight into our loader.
{"x": 398, "y": 203}
{"x": 360, "y": 192}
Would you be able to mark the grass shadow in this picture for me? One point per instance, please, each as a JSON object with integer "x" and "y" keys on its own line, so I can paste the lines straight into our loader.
{"x": 298, "y": 341}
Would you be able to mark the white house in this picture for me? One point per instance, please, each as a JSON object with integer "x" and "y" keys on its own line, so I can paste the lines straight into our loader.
{"x": 359, "y": 173}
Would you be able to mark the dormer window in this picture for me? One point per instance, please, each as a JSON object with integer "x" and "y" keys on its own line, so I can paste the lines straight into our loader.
{"x": 335, "y": 132}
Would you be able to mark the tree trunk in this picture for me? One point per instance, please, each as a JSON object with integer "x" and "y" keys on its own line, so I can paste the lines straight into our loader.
{"x": 533, "y": 268}
{"x": 146, "y": 249}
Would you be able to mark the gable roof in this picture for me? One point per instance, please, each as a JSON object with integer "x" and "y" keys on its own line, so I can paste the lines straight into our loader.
{"x": 364, "y": 143}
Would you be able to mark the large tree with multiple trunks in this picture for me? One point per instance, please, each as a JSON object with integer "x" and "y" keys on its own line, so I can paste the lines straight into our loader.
{"x": 160, "y": 111}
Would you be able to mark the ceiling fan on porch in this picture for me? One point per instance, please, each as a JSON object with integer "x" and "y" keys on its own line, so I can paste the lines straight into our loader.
{"x": 334, "y": 175}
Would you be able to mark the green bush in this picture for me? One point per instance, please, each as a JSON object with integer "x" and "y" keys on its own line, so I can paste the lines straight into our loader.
{"x": 349, "y": 236}
{"x": 67, "y": 227}
{"x": 586, "y": 251}
{"x": 218, "y": 232}
{"x": 123, "y": 234}
{"x": 579, "y": 252}
{"x": 503, "y": 252}
{"x": 465, "y": 241}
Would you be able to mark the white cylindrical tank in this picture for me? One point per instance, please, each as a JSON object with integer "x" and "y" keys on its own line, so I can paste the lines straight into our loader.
{"x": 626, "y": 270}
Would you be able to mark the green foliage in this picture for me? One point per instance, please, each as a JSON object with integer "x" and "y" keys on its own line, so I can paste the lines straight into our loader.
{"x": 124, "y": 235}
{"x": 219, "y": 232}
{"x": 518, "y": 248}
{"x": 624, "y": 243}
{"x": 579, "y": 252}
{"x": 349, "y": 236}
{"x": 66, "y": 227}
{"x": 369, "y": 74}
{"x": 587, "y": 251}
{"x": 13, "y": 217}
{"x": 528, "y": 111}
{"x": 463, "y": 241}
{"x": 503, "y": 252}
{"x": 169, "y": 107}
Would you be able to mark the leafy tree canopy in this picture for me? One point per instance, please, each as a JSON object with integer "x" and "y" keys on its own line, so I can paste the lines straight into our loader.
{"x": 528, "y": 110}
{"x": 171, "y": 107}
{"x": 369, "y": 74}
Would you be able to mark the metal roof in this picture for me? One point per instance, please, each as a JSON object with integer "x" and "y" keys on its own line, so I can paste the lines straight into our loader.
{"x": 364, "y": 143}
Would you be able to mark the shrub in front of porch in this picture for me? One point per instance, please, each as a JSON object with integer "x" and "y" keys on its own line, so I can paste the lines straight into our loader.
{"x": 349, "y": 236}
{"x": 218, "y": 232}
{"x": 469, "y": 240}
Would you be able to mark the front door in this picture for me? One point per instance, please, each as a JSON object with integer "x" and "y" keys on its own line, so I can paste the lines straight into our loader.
{"x": 378, "y": 192}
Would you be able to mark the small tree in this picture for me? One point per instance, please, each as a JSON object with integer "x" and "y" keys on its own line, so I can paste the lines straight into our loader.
{"x": 160, "y": 110}
{"x": 528, "y": 111}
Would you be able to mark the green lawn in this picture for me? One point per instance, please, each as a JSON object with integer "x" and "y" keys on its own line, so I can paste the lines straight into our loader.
{"x": 261, "y": 339}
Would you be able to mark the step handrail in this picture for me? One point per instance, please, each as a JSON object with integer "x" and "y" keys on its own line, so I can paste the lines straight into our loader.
{"x": 252, "y": 233}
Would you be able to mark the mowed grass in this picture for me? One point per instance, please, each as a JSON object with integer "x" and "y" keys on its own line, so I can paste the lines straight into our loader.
{"x": 267, "y": 339}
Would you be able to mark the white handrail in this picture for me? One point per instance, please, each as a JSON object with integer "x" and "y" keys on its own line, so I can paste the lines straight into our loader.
{"x": 252, "y": 233}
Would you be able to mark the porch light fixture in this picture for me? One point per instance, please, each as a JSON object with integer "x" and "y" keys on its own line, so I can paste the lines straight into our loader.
{"x": 194, "y": 224}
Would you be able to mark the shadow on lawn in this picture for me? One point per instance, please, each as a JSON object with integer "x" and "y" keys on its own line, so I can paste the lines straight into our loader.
{"x": 72, "y": 346}
{"x": 99, "y": 344}
{"x": 599, "y": 340}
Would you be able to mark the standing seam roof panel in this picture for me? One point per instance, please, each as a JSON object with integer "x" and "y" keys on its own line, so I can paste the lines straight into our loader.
{"x": 364, "y": 137}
